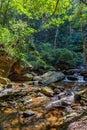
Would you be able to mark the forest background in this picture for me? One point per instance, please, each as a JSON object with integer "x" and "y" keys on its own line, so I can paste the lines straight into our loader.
{"x": 45, "y": 33}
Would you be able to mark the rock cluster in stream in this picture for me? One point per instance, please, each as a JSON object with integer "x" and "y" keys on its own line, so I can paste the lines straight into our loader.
{"x": 52, "y": 106}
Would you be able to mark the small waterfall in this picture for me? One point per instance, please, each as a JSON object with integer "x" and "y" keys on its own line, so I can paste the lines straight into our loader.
{"x": 66, "y": 79}
{"x": 80, "y": 78}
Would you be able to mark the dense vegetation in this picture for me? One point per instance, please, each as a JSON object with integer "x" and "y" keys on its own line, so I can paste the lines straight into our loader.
{"x": 46, "y": 33}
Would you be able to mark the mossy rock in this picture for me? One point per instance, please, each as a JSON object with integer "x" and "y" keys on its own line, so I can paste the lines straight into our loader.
{"x": 47, "y": 91}
{"x": 4, "y": 80}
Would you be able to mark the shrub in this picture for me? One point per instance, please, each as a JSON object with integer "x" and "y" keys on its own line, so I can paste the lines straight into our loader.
{"x": 59, "y": 57}
{"x": 65, "y": 58}
{"x": 36, "y": 60}
{"x": 39, "y": 64}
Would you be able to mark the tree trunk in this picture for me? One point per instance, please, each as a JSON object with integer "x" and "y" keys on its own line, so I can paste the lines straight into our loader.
{"x": 70, "y": 29}
{"x": 83, "y": 37}
{"x": 56, "y": 34}
{"x": 5, "y": 14}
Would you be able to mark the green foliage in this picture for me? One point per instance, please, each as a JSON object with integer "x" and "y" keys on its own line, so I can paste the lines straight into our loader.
{"x": 36, "y": 60}
{"x": 5, "y": 36}
{"x": 39, "y": 64}
{"x": 46, "y": 51}
{"x": 59, "y": 57}
{"x": 65, "y": 58}
{"x": 28, "y": 31}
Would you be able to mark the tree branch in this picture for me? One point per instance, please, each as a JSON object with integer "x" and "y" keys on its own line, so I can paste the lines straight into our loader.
{"x": 46, "y": 18}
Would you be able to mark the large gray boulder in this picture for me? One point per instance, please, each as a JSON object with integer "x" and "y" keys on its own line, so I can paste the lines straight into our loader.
{"x": 51, "y": 77}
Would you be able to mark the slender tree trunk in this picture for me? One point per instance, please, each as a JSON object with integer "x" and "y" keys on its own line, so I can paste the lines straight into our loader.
{"x": 5, "y": 17}
{"x": 70, "y": 29}
{"x": 55, "y": 40}
{"x": 83, "y": 37}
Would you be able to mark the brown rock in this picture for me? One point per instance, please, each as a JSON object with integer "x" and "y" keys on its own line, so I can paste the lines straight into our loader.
{"x": 6, "y": 63}
{"x": 79, "y": 125}
{"x": 21, "y": 71}
{"x": 27, "y": 77}
{"x": 19, "y": 77}
{"x": 53, "y": 85}
{"x": 4, "y": 80}
{"x": 37, "y": 78}
{"x": 20, "y": 67}
{"x": 47, "y": 91}
{"x": 83, "y": 72}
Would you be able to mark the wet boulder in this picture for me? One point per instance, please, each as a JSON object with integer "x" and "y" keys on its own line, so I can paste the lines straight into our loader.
{"x": 51, "y": 77}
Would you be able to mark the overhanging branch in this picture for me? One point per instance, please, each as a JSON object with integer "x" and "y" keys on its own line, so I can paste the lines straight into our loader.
{"x": 54, "y": 9}
{"x": 56, "y": 5}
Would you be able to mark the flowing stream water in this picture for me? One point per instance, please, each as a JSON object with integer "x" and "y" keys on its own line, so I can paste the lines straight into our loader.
{"x": 79, "y": 77}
